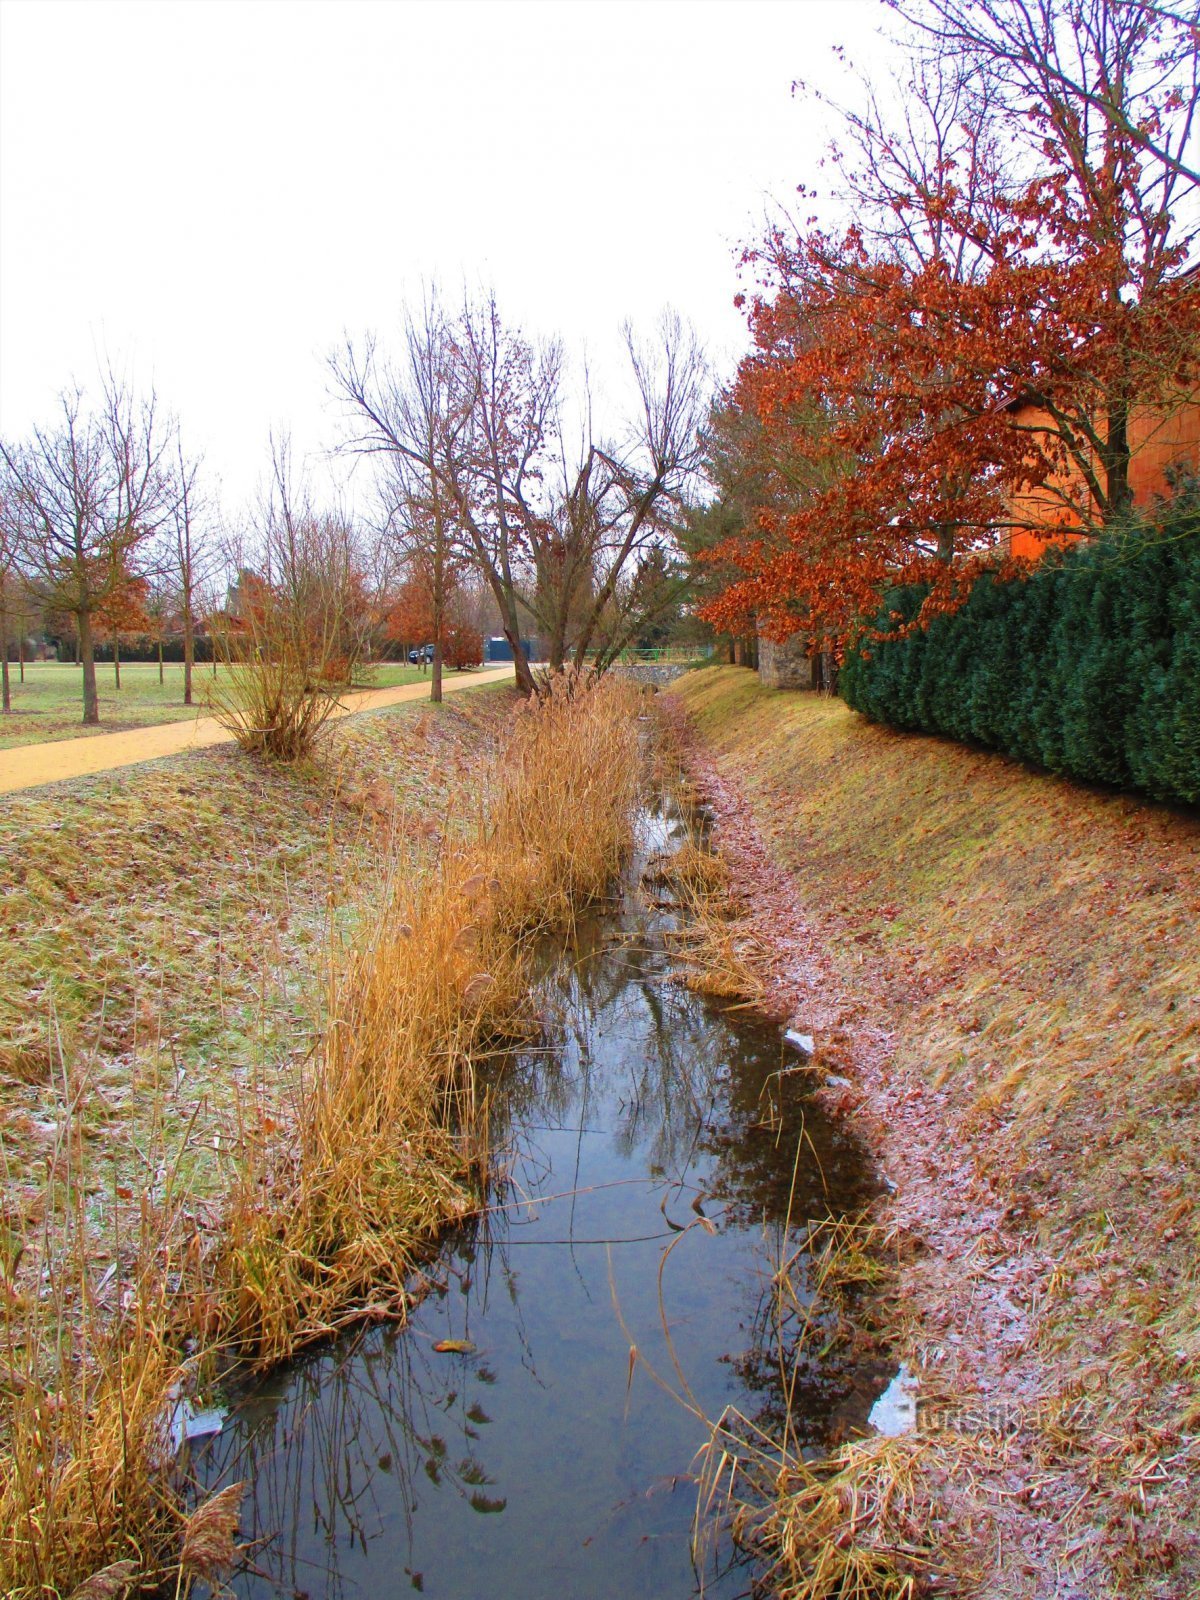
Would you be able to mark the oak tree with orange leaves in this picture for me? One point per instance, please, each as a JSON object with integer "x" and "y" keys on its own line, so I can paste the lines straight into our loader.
{"x": 889, "y": 354}
{"x": 124, "y": 610}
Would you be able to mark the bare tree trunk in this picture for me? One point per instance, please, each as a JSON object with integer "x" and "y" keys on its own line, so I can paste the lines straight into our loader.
{"x": 160, "y": 662}
{"x": 78, "y": 648}
{"x": 117, "y": 660}
{"x": 87, "y": 659}
{"x": 21, "y": 656}
{"x": 5, "y": 691}
{"x": 524, "y": 672}
{"x": 439, "y": 604}
{"x": 189, "y": 654}
{"x": 1118, "y": 492}
{"x": 556, "y": 653}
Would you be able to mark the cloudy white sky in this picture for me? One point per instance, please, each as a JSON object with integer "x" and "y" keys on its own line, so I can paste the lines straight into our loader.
{"x": 210, "y": 193}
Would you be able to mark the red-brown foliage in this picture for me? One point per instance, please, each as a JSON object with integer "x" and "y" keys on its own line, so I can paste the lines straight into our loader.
{"x": 890, "y": 375}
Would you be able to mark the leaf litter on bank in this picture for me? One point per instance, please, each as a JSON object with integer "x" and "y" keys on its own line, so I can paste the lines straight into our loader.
{"x": 1004, "y": 966}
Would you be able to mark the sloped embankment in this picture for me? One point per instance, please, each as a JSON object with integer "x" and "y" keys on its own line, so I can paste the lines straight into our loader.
{"x": 1006, "y": 967}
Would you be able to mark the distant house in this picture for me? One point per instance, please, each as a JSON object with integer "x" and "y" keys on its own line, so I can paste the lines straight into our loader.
{"x": 1161, "y": 440}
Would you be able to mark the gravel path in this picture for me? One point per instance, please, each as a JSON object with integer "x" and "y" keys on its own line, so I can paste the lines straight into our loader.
{"x": 34, "y": 764}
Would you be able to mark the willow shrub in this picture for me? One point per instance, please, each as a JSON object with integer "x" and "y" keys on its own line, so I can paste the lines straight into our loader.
{"x": 1090, "y": 666}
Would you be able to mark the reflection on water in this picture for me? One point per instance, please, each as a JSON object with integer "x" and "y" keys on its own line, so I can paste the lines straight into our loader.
{"x": 657, "y": 1151}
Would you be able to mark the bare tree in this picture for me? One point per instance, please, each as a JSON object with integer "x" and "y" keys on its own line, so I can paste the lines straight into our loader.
{"x": 417, "y": 420}
{"x": 12, "y": 539}
{"x": 627, "y": 504}
{"x": 188, "y": 557}
{"x": 1100, "y": 72}
{"x": 460, "y": 421}
{"x": 485, "y": 442}
{"x": 92, "y": 490}
{"x": 514, "y": 389}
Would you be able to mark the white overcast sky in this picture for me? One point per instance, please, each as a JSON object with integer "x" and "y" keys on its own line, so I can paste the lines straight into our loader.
{"x": 209, "y": 193}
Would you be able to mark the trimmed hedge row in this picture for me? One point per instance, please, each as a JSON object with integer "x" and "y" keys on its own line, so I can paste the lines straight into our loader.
{"x": 1089, "y": 667}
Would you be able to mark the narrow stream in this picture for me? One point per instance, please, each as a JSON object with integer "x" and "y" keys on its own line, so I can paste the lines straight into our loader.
{"x": 658, "y": 1145}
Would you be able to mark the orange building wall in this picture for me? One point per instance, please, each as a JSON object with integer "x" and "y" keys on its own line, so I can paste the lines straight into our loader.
{"x": 1157, "y": 440}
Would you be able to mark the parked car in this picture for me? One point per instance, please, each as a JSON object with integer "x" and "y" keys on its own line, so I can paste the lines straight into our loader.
{"x": 422, "y": 654}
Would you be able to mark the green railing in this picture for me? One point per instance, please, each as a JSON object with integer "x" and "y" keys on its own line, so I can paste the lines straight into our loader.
{"x": 669, "y": 654}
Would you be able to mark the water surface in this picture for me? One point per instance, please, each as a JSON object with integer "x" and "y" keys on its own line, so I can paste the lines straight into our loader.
{"x": 662, "y": 1157}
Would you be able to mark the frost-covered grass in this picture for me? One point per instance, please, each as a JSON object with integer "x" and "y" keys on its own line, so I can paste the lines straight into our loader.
{"x": 162, "y": 928}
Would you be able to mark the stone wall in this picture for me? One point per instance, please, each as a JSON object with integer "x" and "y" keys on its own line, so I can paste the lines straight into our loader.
{"x": 659, "y": 673}
{"x": 787, "y": 665}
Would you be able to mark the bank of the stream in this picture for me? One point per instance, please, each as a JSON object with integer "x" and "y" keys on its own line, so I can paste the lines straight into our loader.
{"x": 658, "y": 1158}
{"x": 1005, "y": 968}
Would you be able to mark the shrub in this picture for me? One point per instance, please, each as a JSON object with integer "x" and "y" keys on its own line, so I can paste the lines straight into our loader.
{"x": 1089, "y": 666}
{"x": 295, "y": 640}
{"x": 462, "y": 645}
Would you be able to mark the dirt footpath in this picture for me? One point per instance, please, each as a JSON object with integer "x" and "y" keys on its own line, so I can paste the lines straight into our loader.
{"x": 31, "y": 765}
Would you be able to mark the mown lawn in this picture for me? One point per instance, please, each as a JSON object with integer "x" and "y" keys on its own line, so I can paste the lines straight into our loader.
{"x": 49, "y": 704}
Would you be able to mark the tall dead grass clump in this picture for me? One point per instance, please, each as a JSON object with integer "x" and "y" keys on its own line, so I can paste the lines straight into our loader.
{"x": 716, "y": 955}
{"x": 860, "y": 1521}
{"x": 564, "y": 798}
{"x": 326, "y": 1229}
{"x": 273, "y": 706}
{"x": 88, "y": 1368}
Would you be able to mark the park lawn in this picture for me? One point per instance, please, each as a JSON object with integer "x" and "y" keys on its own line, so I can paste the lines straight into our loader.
{"x": 165, "y": 931}
{"x": 49, "y": 704}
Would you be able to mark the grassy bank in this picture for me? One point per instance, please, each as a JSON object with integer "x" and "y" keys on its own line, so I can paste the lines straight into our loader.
{"x": 162, "y": 927}
{"x": 1030, "y": 948}
{"x": 49, "y": 704}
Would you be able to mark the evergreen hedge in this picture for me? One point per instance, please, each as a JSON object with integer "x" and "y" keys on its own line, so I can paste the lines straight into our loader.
{"x": 1090, "y": 666}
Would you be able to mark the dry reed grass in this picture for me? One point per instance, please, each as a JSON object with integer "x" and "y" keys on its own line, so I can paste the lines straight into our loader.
{"x": 857, "y": 1523}
{"x": 561, "y": 816}
{"x": 325, "y": 1223}
{"x": 90, "y": 1364}
{"x": 326, "y": 1211}
{"x": 326, "y": 1229}
{"x": 716, "y": 955}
